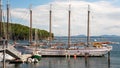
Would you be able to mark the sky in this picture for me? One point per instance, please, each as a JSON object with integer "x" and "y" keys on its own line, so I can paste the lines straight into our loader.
{"x": 104, "y": 15}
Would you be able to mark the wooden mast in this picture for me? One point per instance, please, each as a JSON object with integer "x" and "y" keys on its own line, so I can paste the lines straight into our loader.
{"x": 6, "y": 38}
{"x": 1, "y": 18}
{"x": 50, "y": 23}
{"x": 7, "y": 22}
{"x": 69, "y": 25}
{"x": 30, "y": 25}
{"x": 4, "y": 51}
{"x": 88, "y": 27}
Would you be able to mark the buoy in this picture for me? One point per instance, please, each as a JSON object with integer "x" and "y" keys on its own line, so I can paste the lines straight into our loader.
{"x": 74, "y": 56}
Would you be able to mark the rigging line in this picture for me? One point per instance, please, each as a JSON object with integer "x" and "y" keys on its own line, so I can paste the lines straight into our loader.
{"x": 10, "y": 17}
{"x": 4, "y": 29}
{"x": 10, "y": 25}
{"x": 21, "y": 18}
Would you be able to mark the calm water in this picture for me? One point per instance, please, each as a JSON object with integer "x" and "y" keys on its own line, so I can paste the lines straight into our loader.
{"x": 79, "y": 62}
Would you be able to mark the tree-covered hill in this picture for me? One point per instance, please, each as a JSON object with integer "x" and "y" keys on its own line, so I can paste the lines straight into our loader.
{"x": 21, "y": 32}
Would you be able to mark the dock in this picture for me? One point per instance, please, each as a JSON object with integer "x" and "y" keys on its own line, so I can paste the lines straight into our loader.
{"x": 16, "y": 54}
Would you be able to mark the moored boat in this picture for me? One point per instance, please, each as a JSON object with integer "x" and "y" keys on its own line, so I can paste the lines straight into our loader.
{"x": 89, "y": 49}
{"x": 78, "y": 51}
{"x": 36, "y": 57}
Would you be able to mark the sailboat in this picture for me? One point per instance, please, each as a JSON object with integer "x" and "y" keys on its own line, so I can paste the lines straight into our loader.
{"x": 36, "y": 56}
{"x": 3, "y": 42}
{"x": 89, "y": 48}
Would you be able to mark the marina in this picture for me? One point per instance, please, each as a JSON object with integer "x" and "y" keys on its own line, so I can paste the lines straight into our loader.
{"x": 92, "y": 62}
{"x": 31, "y": 47}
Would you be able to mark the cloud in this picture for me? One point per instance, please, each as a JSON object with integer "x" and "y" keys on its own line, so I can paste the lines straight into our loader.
{"x": 103, "y": 16}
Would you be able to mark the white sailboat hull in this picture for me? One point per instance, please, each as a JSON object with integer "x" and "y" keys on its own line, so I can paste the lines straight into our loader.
{"x": 78, "y": 52}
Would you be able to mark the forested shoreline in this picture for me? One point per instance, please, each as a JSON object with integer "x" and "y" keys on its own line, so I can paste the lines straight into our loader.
{"x": 21, "y": 32}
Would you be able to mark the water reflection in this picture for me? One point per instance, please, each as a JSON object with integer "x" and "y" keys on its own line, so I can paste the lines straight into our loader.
{"x": 17, "y": 65}
{"x": 86, "y": 62}
{"x": 79, "y": 62}
{"x": 92, "y": 62}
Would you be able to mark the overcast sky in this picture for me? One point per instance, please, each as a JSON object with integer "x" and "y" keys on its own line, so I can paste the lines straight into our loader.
{"x": 104, "y": 15}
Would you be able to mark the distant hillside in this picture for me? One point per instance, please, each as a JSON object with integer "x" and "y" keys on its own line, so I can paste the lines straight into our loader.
{"x": 21, "y": 32}
{"x": 107, "y": 36}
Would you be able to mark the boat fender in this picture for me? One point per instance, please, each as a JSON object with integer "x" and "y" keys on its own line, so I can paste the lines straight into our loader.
{"x": 29, "y": 60}
{"x": 35, "y": 60}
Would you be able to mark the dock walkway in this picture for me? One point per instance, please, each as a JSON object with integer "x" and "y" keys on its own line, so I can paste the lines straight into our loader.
{"x": 15, "y": 53}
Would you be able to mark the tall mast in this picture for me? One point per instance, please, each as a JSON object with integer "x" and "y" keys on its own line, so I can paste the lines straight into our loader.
{"x": 30, "y": 25}
{"x": 50, "y": 23}
{"x": 4, "y": 51}
{"x": 36, "y": 38}
{"x": 69, "y": 24}
{"x": 36, "y": 35}
{"x": 7, "y": 20}
{"x": 88, "y": 27}
{"x": 0, "y": 17}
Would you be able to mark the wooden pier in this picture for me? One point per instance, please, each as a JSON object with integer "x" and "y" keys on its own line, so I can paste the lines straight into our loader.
{"x": 18, "y": 57}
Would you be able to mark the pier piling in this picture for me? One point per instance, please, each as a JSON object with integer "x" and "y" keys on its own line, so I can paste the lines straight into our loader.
{"x": 108, "y": 59}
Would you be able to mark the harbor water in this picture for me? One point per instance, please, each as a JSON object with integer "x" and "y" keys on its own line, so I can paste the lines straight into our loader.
{"x": 78, "y": 62}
